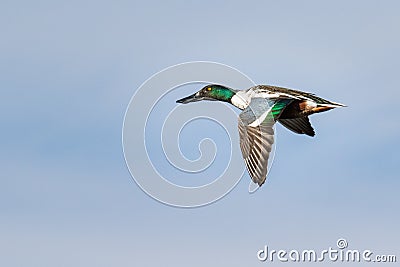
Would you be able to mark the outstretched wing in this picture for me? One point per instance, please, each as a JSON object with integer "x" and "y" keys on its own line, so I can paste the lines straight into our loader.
{"x": 282, "y": 92}
{"x": 300, "y": 125}
{"x": 257, "y": 136}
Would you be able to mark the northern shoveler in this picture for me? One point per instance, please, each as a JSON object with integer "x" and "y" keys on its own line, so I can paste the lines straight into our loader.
{"x": 262, "y": 106}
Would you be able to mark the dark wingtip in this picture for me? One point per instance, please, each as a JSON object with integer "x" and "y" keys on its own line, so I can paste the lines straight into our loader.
{"x": 310, "y": 132}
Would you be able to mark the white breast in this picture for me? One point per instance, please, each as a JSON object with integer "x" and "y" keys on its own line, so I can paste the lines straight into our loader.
{"x": 240, "y": 100}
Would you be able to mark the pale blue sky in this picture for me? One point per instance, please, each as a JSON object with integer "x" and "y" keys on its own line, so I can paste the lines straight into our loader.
{"x": 69, "y": 68}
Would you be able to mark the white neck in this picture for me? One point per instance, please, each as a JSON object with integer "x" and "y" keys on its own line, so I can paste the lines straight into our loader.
{"x": 240, "y": 100}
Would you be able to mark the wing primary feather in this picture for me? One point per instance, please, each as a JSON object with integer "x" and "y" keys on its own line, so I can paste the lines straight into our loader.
{"x": 256, "y": 139}
{"x": 300, "y": 125}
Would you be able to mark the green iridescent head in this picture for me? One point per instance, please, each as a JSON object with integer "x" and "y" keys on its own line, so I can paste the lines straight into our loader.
{"x": 210, "y": 92}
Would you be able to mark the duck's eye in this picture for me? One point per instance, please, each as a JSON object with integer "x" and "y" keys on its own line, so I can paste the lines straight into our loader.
{"x": 209, "y": 89}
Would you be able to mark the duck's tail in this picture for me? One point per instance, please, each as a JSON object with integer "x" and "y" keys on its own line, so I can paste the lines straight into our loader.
{"x": 331, "y": 105}
{"x": 321, "y": 107}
